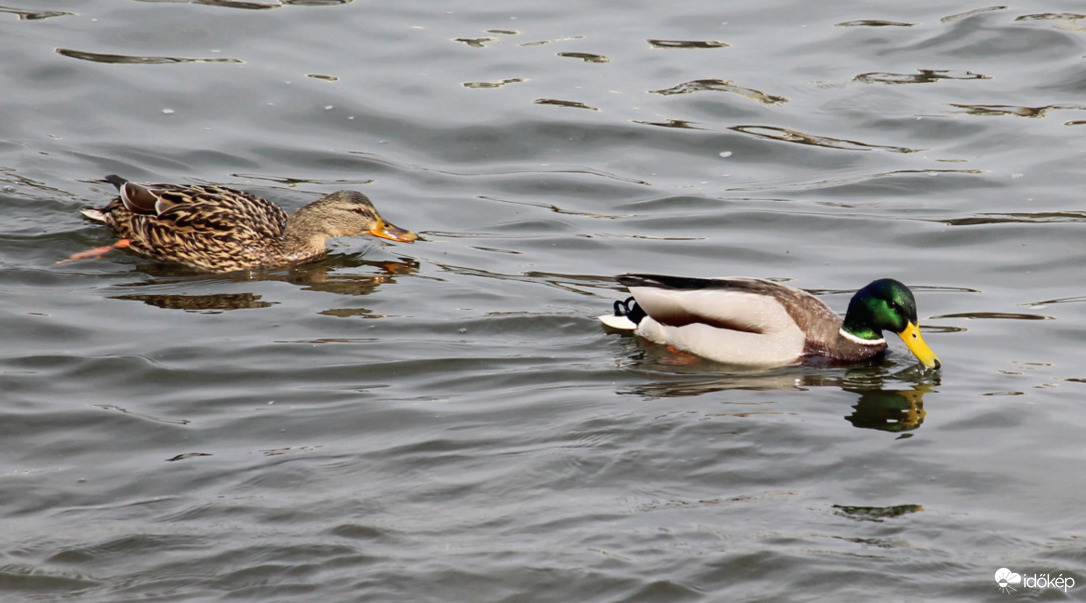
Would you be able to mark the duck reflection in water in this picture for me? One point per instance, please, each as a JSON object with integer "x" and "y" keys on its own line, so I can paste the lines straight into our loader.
{"x": 887, "y": 401}
{"x": 894, "y": 410}
{"x": 327, "y": 276}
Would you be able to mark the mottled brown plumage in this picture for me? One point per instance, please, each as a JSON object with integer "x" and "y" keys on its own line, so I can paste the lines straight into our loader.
{"x": 219, "y": 229}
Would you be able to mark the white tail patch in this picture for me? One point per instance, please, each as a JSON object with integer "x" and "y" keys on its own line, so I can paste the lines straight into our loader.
{"x": 620, "y": 323}
{"x": 94, "y": 215}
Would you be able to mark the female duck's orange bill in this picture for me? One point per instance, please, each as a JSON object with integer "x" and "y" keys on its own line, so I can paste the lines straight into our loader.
{"x": 393, "y": 233}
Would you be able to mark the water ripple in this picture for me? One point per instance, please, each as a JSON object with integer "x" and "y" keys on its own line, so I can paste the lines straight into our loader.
{"x": 34, "y": 15}
{"x": 1063, "y": 17}
{"x": 874, "y": 23}
{"x": 687, "y": 44}
{"x": 670, "y": 123}
{"x": 544, "y": 42}
{"x": 717, "y": 85}
{"x": 999, "y": 110}
{"x": 477, "y": 42}
{"x": 845, "y": 181}
{"x": 249, "y": 5}
{"x": 587, "y": 57}
{"x": 995, "y": 316}
{"x": 98, "y": 57}
{"x": 1043, "y": 217}
{"x": 495, "y": 83}
{"x": 1063, "y": 300}
{"x": 564, "y": 103}
{"x": 971, "y": 13}
{"x": 922, "y": 76}
{"x": 878, "y": 514}
{"x": 787, "y": 135}
{"x": 238, "y": 4}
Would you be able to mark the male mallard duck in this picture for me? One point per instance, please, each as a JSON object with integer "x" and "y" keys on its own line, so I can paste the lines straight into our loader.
{"x": 222, "y": 230}
{"x": 754, "y": 322}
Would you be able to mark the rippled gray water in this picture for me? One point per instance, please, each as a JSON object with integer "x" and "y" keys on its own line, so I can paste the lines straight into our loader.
{"x": 446, "y": 421}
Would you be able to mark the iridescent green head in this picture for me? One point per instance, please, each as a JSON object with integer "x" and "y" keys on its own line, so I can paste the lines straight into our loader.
{"x": 887, "y": 304}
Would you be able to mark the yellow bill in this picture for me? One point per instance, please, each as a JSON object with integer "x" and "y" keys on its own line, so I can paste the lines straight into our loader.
{"x": 915, "y": 342}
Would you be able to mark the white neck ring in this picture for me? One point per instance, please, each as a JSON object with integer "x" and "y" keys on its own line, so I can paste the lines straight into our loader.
{"x": 859, "y": 340}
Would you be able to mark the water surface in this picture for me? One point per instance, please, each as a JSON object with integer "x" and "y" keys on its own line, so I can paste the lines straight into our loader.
{"x": 446, "y": 420}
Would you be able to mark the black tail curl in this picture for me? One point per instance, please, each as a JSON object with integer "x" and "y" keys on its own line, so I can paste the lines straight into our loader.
{"x": 629, "y": 308}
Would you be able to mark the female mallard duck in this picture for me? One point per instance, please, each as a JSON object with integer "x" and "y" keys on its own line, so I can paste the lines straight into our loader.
{"x": 220, "y": 229}
{"x": 754, "y": 322}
